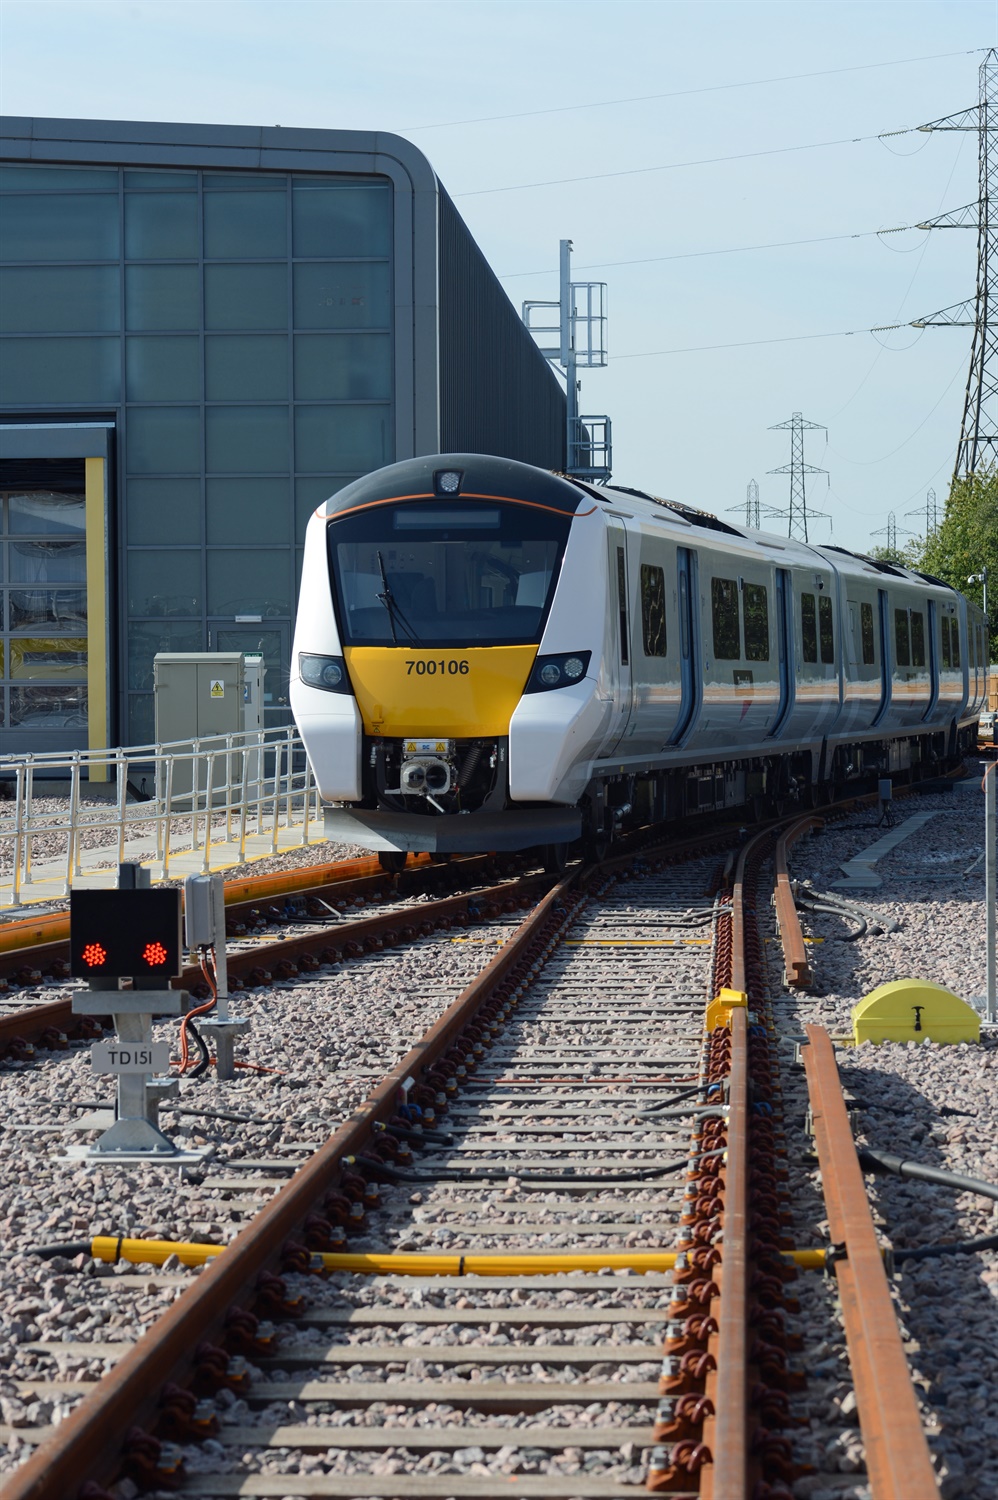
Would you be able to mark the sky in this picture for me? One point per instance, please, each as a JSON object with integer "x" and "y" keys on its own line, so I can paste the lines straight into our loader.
{"x": 731, "y": 171}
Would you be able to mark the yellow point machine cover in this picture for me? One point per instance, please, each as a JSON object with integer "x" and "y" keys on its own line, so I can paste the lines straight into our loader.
{"x": 913, "y": 1010}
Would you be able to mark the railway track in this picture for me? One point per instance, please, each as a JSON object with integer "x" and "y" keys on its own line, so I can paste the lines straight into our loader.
{"x": 603, "y": 1210}
{"x": 313, "y": 907}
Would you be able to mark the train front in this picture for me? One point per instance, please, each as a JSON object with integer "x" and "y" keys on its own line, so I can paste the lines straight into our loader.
{"x": 426, "y": 590}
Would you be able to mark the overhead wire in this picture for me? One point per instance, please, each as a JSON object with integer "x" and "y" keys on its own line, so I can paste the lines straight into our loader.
{"x": 711, "y": 88}
{"x": 671, "y": 166}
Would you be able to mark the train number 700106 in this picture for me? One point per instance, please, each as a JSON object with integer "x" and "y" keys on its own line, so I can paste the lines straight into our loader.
{"x": 424, "y": 668}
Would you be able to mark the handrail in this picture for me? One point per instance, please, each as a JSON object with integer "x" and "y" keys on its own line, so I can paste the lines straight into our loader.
{"x": 258, "y": 782}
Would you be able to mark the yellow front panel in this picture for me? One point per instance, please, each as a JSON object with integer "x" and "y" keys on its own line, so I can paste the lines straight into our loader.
{"x": 409, "y": 690}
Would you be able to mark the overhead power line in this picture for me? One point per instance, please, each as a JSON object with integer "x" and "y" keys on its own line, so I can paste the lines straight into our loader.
{"x": 713, "y": 88}
{"x": 791, "y": 338}
{"x": 671, "y": 166}
{"x": 649, "y": 260}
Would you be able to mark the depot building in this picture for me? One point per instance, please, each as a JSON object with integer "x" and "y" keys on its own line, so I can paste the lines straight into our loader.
{"x": 204, "y": 332}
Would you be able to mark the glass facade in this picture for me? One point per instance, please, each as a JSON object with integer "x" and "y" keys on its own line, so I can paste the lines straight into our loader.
{"x": 237, "y": 328}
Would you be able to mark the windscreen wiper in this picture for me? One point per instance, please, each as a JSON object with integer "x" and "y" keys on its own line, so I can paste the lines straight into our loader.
{"x": 395, "y": 615}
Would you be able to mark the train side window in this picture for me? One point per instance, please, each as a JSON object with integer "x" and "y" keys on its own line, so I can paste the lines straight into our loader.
{"x": 902, "y": 646}
{"x": 917, "y": 638}
{"x": 755, "y": 608}
{"x": 653, "y": 609}
{"x": 947, "y": 650}
{"x": 808, "y": 628}
{"x": 622, "y": 606}
{"x": 954, "y": 626}
{"x": 826, "y": 631}
{"x": 724, "y": 599}
{"x": 866, "y": 622}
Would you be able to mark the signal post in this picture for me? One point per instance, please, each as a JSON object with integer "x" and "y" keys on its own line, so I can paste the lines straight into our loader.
{"x": 126, "y": 943}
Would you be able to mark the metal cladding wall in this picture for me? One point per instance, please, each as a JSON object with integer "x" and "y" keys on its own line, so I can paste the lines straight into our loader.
{"x": 498, "y": 394}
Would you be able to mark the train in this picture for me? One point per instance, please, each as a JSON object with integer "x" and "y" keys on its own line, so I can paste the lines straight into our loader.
{"x": 489, "y": 656}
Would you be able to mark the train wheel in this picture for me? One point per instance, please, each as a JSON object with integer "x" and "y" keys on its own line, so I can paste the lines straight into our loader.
{"x": 440, "y": 859}
{"x": 392, "y": 861}
{"x": 554, "y": 857}
{"x": 595, "y": 847}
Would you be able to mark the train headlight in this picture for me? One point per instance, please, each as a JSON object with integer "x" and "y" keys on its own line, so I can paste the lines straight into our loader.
{"x": 558, "y": 671}
{"x": 326, "y": 672}
{"x": 447, "y": 481}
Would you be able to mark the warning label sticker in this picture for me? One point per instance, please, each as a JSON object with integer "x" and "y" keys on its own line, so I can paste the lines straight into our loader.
{"x": 217, "y": 688}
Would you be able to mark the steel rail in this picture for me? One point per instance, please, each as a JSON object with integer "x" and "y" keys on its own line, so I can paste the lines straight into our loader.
{"x": 348, "y": 939}
{"x": 795, "y": 960}
{"x": 897, "y": 1454}
{"x": 726, "y": 1433}
{"x": 87, "y": 1445}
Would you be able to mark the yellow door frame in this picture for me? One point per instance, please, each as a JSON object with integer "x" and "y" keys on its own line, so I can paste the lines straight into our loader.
{"x": 97, "y": 652}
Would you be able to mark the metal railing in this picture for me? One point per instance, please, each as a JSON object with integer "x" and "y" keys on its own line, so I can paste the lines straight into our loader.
{"x": 220, "y": 790}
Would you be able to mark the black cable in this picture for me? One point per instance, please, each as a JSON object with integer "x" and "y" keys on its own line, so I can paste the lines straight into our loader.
{"x": 383, "y": 1172}
{"x": 653, "y": 1109}
{"x": 957, "y": 1247}
{"x": 885, "y": 1161}
{"x": 48, "y": 1252}
{"x": 202, "y": 1047}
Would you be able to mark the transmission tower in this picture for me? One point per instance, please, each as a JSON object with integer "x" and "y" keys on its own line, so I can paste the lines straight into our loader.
{"x": 978, "y": 446}
{"x": 928, "y": 511}
{"x": 890, "y": 531}
{"x": 798, "y": 515}
{"x": 750, "y": 505}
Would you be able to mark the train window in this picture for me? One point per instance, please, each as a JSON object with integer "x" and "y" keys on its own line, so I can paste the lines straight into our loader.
{"x": 954, "y": 626}
{"x": 917, "y": 638}
{"x": 866, "y": 626}
{"x": 947, "y": 651}
{"x": 622, "y": 606}
{"x": 902, "y": 646}
{"x": 826, "y": 631}
{"x": 478, "y": 576}
{"x": 724, "y": 598}
{"x": 755, "y": 609}
{"x": 653, "y": 609}
{"x": 808, "y": 628}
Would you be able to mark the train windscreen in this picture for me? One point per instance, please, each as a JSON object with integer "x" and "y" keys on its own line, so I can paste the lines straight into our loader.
{"x": 445, "y": 573}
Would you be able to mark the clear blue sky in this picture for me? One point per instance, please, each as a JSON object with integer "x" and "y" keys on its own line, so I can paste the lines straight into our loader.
{"x": 582, "y": 89}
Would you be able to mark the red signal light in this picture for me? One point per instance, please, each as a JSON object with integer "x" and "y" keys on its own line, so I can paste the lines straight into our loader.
{"x": 94, "y": 955}
{"x": 154, "y": 954}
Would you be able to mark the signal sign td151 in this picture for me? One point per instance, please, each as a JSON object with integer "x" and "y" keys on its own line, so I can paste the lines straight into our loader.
{"x": 125, "y": 934}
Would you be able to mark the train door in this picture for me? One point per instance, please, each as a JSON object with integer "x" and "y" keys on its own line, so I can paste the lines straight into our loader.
{"x": 886, "y": 654}
{"x": 689, "y": 643}
{"x": 933, "y": 660}
{"x": 620, "y": 633}
{"x": 785, "y": 650}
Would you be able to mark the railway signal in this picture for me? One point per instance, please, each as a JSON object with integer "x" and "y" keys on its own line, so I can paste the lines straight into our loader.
{"x": 130, "y": 936}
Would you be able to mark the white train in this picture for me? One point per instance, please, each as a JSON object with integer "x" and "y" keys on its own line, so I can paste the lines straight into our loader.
{"x": 490, "y": 656}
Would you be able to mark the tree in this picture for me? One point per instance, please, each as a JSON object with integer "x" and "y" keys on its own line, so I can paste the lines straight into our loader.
{"x": 966, "y": 542}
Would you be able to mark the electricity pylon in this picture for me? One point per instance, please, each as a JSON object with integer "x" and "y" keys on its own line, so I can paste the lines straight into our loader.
{"x": 978, "y": 446}
{"x": 750, "y": 505}
{"x": 890, "y": 531}
{"x": 929, "y": 511}
{"x": 798, "y": 515}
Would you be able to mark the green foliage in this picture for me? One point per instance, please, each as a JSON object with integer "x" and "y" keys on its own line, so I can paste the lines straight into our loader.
{"x": 966, "y": 542}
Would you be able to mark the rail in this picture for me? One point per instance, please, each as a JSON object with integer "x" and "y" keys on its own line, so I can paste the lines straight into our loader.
{"x": 251, "y": 793}
{"x": 795, "y": 960}
{"x": 897, "y": 1455}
